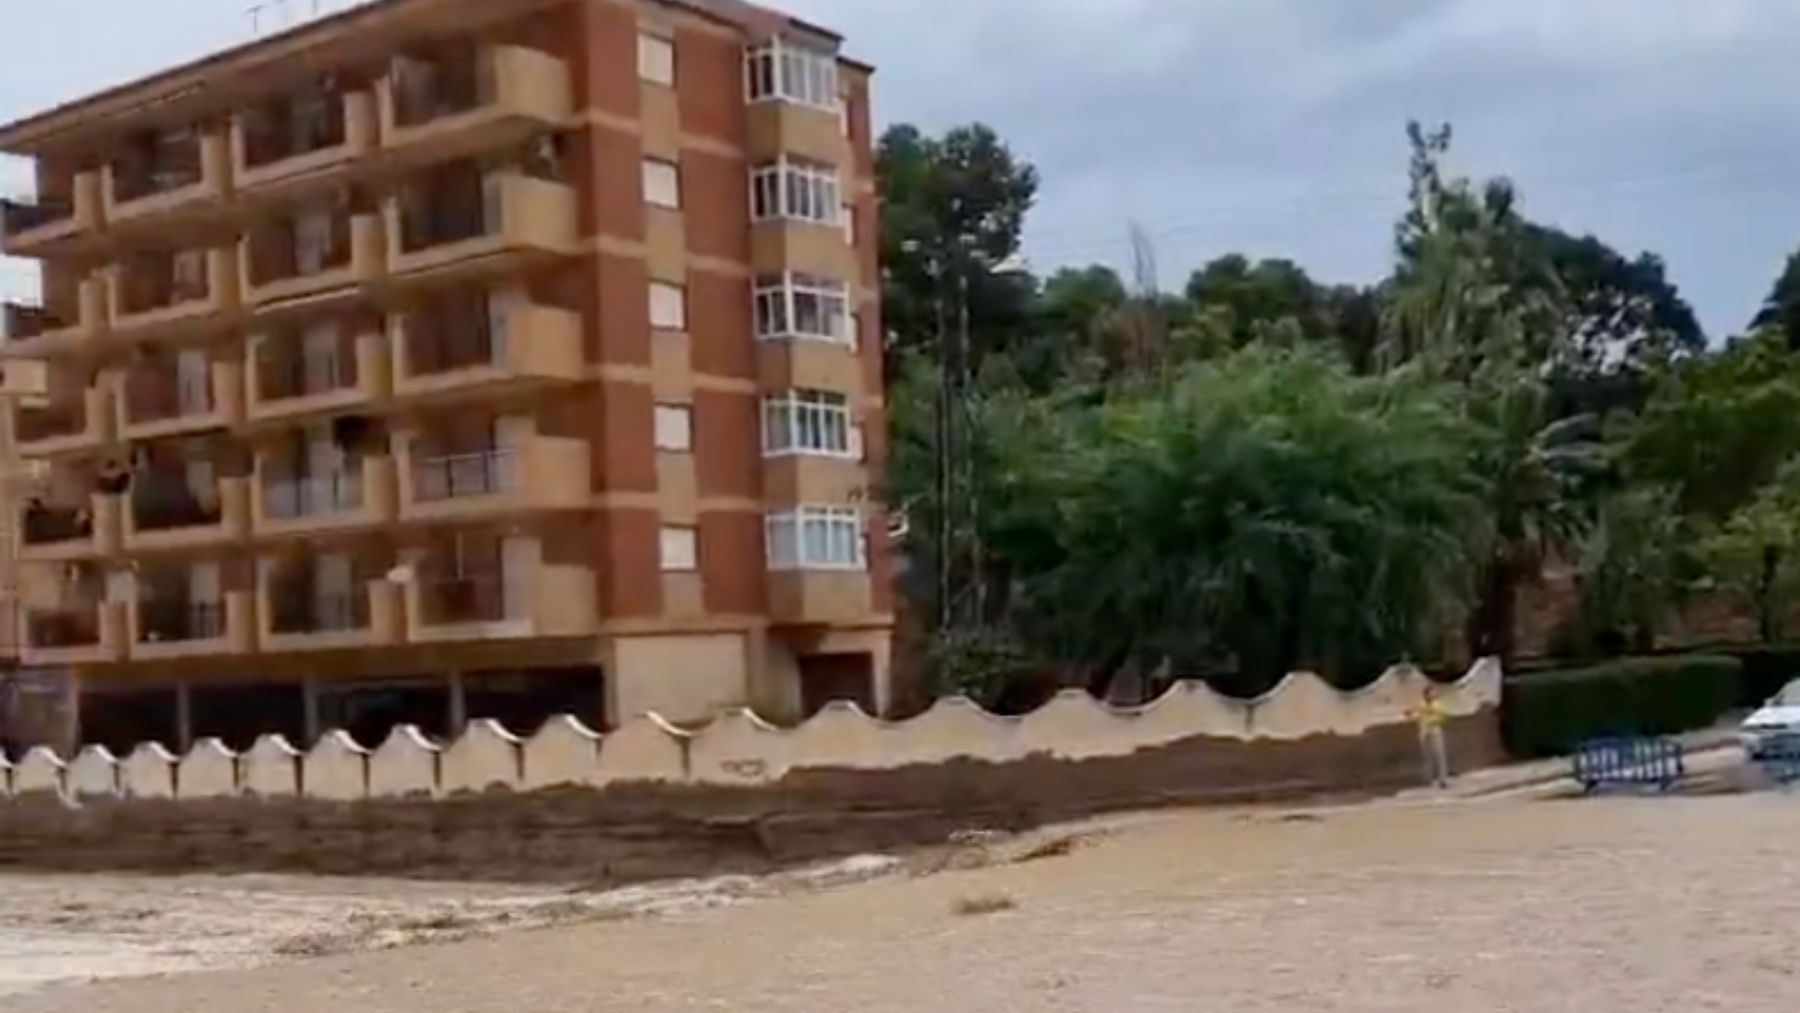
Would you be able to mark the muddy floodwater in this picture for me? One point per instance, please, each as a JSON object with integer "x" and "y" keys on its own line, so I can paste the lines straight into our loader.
{"x": 1596, "y": 905}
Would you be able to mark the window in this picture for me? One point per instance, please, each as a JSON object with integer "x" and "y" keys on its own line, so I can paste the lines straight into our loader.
{"x": 680, "y": 550}
{"x": 803, "y": 306}
{"x": 656, "y": 59}
{"x": 849, "y": 216}
{"x": 662, "y": 183}
{"x": 668, "y": 306}
{"x": 810, "y": 422}
{"x": 792, "y": 188}
{"x": 674, "y": 428}
{"x": 816, "y": 538}
{"x": 785, "y": 72}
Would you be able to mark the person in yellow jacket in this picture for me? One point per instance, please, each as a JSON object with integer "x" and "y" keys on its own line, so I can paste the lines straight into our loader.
{"x": 1431, "y": 717}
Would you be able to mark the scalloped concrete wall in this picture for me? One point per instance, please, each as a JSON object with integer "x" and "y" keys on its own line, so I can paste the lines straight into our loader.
{"x": 740, "y": 749}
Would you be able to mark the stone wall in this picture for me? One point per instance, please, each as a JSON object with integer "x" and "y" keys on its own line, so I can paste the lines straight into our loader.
{"x": 653, "y": 799}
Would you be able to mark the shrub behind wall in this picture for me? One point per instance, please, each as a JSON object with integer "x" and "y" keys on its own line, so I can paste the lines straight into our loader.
{"x": 1551, "y": 713}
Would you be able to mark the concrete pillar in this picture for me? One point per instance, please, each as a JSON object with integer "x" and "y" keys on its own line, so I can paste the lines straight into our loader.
{"x": 310, "y": 720}
{"x": 184, "y": 718}
{"x": 459, "y": 705}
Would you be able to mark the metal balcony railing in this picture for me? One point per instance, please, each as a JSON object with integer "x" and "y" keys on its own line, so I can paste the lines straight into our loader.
{"x": 289, "y": 499}
{"x": 160, "y": 504}
{"x": 46, "y": 525}
{"x": 459, "y": 600}
{"x": 18, "y": 216}
{"x": 64, "y": 628}
{"x": 304, "y": 611}
{"x": 173, "y": 622}
{"x": 458, "y": 476}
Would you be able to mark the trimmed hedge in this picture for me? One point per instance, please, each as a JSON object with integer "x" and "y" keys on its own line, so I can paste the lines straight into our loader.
{"x": 1766, "y": 671}
{"x": 1551, "y": 713}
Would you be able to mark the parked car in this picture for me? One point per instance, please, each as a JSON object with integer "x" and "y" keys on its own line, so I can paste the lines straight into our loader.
{"x": 1778, "y": 719}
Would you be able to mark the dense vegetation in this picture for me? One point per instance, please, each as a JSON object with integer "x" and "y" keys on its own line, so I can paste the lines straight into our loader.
{"x": 1106, "y": 484}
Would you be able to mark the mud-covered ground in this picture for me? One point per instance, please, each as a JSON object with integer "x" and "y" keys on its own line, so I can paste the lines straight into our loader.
{"x": 1606, "y": 904}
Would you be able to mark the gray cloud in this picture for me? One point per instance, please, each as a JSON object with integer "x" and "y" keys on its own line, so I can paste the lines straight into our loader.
{"x": 1268, "y": 126}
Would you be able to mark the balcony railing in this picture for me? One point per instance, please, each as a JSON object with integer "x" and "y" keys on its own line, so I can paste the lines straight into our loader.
{"x": 493, "y": 94}
{"x": 173, "y": 622}
{"x": 318, "y": 496}
{"x": 132, "y": 183}
{"x": 306, "y": 612}
{"x": 164, "y": 504}
{"x": 295, "y": 251}
{"x": 24, "y": 216}
{"x": 439, "y": 478}
{"x": 284, "y": 373}
{"x": 481, "y": 222}
{"x": 63, "y": 629}
{"x": 56, "y": 421}
{"x": 293, "y": 128}
{"x": 158, "y": 283}
{"x": 163, "y": 395}
{"x": 457, "y": 338}
{"x": 460, "y": 601}
{"x": 452, "y": 208}
{"x": 20, "y": 322}
{"x": 50, "y": 525}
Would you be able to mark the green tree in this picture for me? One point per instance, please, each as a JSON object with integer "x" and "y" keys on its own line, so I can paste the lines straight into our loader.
{"x": 1631, "y": 564}
{"x": 1781, "y": 310}
{"x": 1270, "y": 511}
{"x": 1756, "y": 551}
{"x": 952, "y": 208}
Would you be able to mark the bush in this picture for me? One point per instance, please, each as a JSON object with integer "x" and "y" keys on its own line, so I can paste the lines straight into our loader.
{"x": 1766, "y": 671}
{"x": 1550, "y": 714}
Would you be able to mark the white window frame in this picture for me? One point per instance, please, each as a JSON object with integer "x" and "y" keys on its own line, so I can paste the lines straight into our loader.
{"x": 656, "y": 59}
{"x": 816, "y": 538}
{"x": 675, "y": 428}
{"x": 784, "y": 303}
{"x": 792, "y": 189}
{"x": 810, "y": 423}
{"x": 662, "y": 183}
{"x": 668, "y": 306}
{"x": 786, "y": 71}
{"x": 678, "y": 548}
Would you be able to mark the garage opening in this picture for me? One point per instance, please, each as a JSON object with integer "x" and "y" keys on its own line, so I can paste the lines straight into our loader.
{"x": 825, "y": 678}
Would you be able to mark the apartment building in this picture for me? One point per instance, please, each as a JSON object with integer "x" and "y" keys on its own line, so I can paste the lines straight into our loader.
{"x": 438, "y": 360}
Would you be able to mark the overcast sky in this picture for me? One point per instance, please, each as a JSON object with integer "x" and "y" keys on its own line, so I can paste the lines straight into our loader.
{"x": 1272, "y": 127}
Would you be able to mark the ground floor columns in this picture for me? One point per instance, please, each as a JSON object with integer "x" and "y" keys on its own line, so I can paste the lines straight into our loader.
{"x": 184, "y": 717}
{"x": 70, "y": 732}
{"x": 458, "y": 704}
{"x": 310, "y": 719}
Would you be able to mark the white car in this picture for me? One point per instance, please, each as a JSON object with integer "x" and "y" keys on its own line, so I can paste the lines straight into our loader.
{"x": 1778, "y": 719}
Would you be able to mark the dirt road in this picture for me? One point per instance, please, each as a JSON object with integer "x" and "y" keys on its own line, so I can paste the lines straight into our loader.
{"x": 1653, "y": 904}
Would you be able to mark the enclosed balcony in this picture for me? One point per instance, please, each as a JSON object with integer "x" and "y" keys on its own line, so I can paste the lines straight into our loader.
{"x": 172, "y": 394}
{"x": 299, "y": 141}
{"x": 67, "y": 323}
{"x": 482, "y": 585}
{"x": 324, "y": 367}
{"x": 155, "y": 293}
{"x": 166, "y": 177}
{"x": 294, "y": 497}
{"x": 328, "y": 602}
{"x": 461, "y": 98}
{"x": 184, "y": 610}
{"x": 459, "y": 220}
{"x": 68, "y": 620}
{"x": 54, "y": 222}
{"x": 511, "y": 469}
{"x": 311, "y": 256}
{"x": 68, "y": 527}
{"x": 178, "y": 502}
{"x": 471, "y": 342}
{"x": 73, "y": 421}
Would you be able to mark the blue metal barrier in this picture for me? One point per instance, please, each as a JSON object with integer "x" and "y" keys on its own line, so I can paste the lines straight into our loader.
{"x": 1636, "y": 761}
{"x": 1779, "y": 757}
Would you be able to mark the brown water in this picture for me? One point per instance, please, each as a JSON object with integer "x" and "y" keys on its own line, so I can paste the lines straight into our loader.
{"x": 1641, "y": 905}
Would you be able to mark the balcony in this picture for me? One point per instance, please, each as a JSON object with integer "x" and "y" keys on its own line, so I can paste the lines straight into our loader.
{"x": 288, "y": 268}
{"x": 459, "y": 222}
{"x": 364, "y": 495}
{"x": 169, "y": 178}
{"x": 164, "y": 399}
{"x": 156, "y": 294}
{"x": 188, "y": 625}
{"x": 39, "y": 332}
{"x": 468, "y": 99}
{"x": 67, "y": 532}
{"x": 486, "y": 345}
{"x": 167, "y": 514}
{"x": 79, "y": 423}
{"x": 86, "y": 630}
{"x": 791, "y": 245}
{"x": 296, "y": 144}
{"x": 520, "y": 596}
{"x": 51, "y": 225}
{"x": 328, "y": 371}
{"x": 538, "y": 473}
{"x": 820, "y": 598}
{"x": 792, "y": 128}
{"x": 297, "y": 615}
